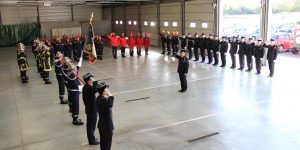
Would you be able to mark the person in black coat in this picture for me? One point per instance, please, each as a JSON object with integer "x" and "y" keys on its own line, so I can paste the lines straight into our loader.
{"x": 183, "y": 68}
{"x": 216, "y": 49}
{"x": 190, "y": 45}
{"x": 163, "y": 40}
{"x": 203, "y": 46}
{"x": 183, "y": 41}
{"x": 89, "y": 99}
{"x": 249, "y": 53}
{"x": 197, "y": 44}
{"x": 233, "y": 51}
{"x": 241, "y": 52}
{"x": 58, "y": 63}
{"x": 258, "y": 54}
{"x": 210, "y": 48}
{"x": 271, "y": 57}
{"x": 168, "y": 41}
{"x": 223, "y": 51}
{"x": 104, "y": 104}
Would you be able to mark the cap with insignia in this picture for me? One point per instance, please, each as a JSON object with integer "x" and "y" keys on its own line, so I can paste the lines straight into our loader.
{"x": 87, "y": 76}
{"x": 101, "y": 86}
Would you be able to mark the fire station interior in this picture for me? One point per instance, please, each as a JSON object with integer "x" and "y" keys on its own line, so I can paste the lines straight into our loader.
{"x": 222, "y": 109}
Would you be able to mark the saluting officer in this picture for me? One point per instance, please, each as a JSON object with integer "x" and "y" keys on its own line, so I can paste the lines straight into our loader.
{"x": 190, "y": 45}
{"x": 89, "y": 99}
{"x": 210, "y": 48}
{"x": 22, "y": 62}
{"x": 249, "y": 53}
{"x": 183, "y": 68}
{"x": 123, "y": 43}
{"x": 258, "y": 54}
{"x": 104, "y": 103}
{"x": 233, "y": 51}
{"x": 216, "y": 49}
{"x": 241, "y": 52}
{"x": 223, "y": 51}
{"x": 271, "y": 56}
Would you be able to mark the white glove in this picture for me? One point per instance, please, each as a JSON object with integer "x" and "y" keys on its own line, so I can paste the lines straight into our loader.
{"x": 274, "y": 60}
{"x": 80, "y": 62}
{"x": 107, "y": 92}
{"x": 185, "y": 74}
{"x": 217, "y": 52}
{"x": 184, "y": 47}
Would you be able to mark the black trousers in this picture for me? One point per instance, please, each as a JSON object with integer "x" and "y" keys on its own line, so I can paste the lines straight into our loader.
{"x": 23, "y": 75}
{"x": 190, "y": 52}
{"x": 78, "y": 53}
{"x": 271, "y": 67}
{"x": 183, "y": 81}
{"x": 91, "y": 122}
{"x": 223, "y": 59}
{"x": 242, "y": 60}
{"x": 123, "y": 51}
{"x": 169, "y": 49}
{"x": 46, "y": 75}
{"x": 114, "y": 51}
{"x": 61, "y": 85}
{"x": 216, "y": 57}
{"x": 202, "y": 51}
{"x": 105, "y": 139}
{"x": 99, "y": 52}
{"x": 175, "y": 49}
{"x": 74, "y": 96}
{"x": 258, "y": 64}
{"x": 249, "y": 62}
{"x": 163, "y": 46}
{"x": 210, "y": 57}
{"x": 196, "y": 53}
{"x": 233, "y": 60}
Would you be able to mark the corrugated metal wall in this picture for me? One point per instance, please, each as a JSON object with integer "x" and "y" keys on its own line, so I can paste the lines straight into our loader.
{"x": 119, "y": 16}
{"x": 199, "y": 11}
{"x": 170, "y": 12}
{"x": 149, "y": 13}
{"x": 57, "y": 13}
{"x": 132, "y": 15}
{"x": 18, "y": 15}
{"x": 106, "y": 14}
{"x": 83, "y": 13}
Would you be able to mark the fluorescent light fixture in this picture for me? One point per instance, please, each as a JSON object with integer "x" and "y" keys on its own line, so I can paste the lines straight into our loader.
{"x": 205, "y": 25}
{"x": 117, "y": 22}
{"x": 121, "y": 22}
{"x": 152, "y": 23}
{"x": 174, "y": 24}
{"x": 134, "y": 22}
{"x": 166, "y": 24}
{"x": 145, "y": 23}
{"x": 129, "y": 22}
{"x": 193, "y": 25}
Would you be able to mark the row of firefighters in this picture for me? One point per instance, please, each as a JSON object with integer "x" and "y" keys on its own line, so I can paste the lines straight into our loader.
{"x": 214, "y": 48}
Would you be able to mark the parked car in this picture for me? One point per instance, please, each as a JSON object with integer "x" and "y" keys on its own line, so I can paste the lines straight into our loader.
{"x": 282, "y": 40}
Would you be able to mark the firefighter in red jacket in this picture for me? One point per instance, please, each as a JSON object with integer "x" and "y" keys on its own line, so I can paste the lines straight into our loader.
{"x": 123, "y": 43}
{"x": 131, "y": 43}
{"x": 139, "y": 43}
{"x": 146, "y": 43}
{"x": 114, "y": 43}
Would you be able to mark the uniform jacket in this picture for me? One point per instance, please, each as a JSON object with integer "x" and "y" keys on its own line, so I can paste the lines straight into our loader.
{"x": 233, "y": 47}
{"x": 190, "y": 42}
{"x": 183, "y": 41}
{"x": 203, "y": 43}
{"x": 216, "y": 46}
{"x": 183, "y": 64}
{"x": 146, "y": 41}
{"x": 259, "y": 51}
{"x": 47, "y": 61}
{"x": 131, "y": 42}
{"x": 272, "y": 52}
{"x": 209, "y": 43}
{"x": 89, "y": 99}
{"x": 250, "y": 50}
{"x": 163, "y": 38}
{"x": 223, "y": 47}
{"x": 22, "y": 61}
{"x": 242, "y": 48}
{"x": 114, "y": 41}
{"x": 104, "y": 107}
{"x": 58, "y": 67}
{"x": 197, "y": 42}
{"x": 139, "y": 42}
{"x": 123, "y": 41}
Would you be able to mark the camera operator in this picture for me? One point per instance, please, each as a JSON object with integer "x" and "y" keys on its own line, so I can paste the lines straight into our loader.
{"x": 104, "y": 104}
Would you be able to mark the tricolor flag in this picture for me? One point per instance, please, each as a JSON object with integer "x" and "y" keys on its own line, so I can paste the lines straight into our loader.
{"x": 89, "y": 46}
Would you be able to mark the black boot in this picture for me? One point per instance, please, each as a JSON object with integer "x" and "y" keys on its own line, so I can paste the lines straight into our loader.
{"x": 77, "y": 121}
{"x": 47, "y": 81}
{"x": 147, "y": 53}
{"x": 62, "y": 101}
{"x": 24, "y": 80}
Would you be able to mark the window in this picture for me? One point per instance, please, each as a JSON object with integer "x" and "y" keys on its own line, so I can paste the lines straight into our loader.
{"x": 193, "y": 25}
{"x": 129, "y": 22}
{"x": 166, "y": 24}
{"x": 121, "y": 22}
{"x": 145, "y": 23}
{"x": 174, "y": 24}
{"x": 205, "y": 25}
{"x": 152, "y": 23}
{"x": 117, "y": 22}
{"x": 134, "y": 22}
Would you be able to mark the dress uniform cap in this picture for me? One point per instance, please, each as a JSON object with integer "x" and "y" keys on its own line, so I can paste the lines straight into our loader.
{"x": 242, "y": 37}
{"x": 272, "y": 40}
{"x": 183, "y": 50}
{"x": 259, "y": 40}
{"x": 87, "y": 76}
{"x": 102, "y": 86}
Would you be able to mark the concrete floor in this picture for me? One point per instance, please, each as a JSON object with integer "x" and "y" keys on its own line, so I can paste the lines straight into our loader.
{"x": 250, "y": 112}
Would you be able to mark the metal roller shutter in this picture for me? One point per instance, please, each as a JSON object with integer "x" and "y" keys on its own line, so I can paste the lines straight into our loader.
{"x": 18, "y": 15}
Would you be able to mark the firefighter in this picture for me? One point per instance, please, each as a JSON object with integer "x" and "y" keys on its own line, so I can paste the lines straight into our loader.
{"x": 223, "y": 50}
{"x": 216, "y": 50}
{"x": 249, "y": 53}
{"x": 131, "y": 43}
{"x": 203, "y": 46}
{"x": 58, "y": 63}
{"x": 169, "y": 43}
{"x": 241, "y": 52}
{"x": 46, "y": 63}
{"x": 163, "y": 40}
{"x": 99, "y": 45}
{"x": 209, "y": 44}
{"x": 233, "y": 51}
{"x": 139, "y": 43}
{"x": 271, "y": 57}
{"x": 259, "y": 54}
{"x": 197, "y": 44}
{"x": 68, "y": 48}
{"x": 22, "y": 62}
{"x": 114, "y": 42}
{"x": 183, "y": 41}
{"x": 146, "y": 42}
{"x": 77, "y": 49}
{"x": 123, "y": 41}
{"x": 190, "y": 45}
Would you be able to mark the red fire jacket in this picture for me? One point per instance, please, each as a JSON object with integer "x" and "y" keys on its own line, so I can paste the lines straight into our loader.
{"x": 146, "y": 42}
{"x": 139, "y": 42}
{"x": 131, "y": 42}
{"x": 122, "y": 41}
{"x": 114, "y": 41}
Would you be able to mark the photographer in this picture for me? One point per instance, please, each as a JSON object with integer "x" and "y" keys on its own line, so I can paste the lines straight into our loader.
{"x": 89, "y": 100}
{"x": 104, "y": 104}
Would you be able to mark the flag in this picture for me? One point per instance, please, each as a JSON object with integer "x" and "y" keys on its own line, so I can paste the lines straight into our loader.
{"x": 89, "y": 46}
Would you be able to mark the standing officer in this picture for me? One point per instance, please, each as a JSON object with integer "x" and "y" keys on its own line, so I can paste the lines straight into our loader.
{"x": 197, "y": 44}
{"x": 114, "y": 42}
{"x": 163, "y": 40}
{"x": 258, "y": 54}
{"x": 146, "y": 42}
{"x": 223, "y": 51}
{"x": 139, "y": 43}
{"x": 203, "y": 47}
{"x": 209, "y": 44}
{"x": 68, "y": 48}
{"x": 249, "y": 53}
{"x": 99, "y": 45}
{"x": 59, "y": 76}
{"x": 89, "y": 99}
{"x": 233, "y": 51}
{"x": 131, "y": 43}
{"x": 77, "y": 48}
{"x": 169, "y": 40}
{"x": 271, "y": 56}
{"x": 216, "y": 49}
{"x": 46, "y": 63}
{"x": 175, "y": 43}
{"x": 104, "y": 103}
{"x": 183, "y": 40}
{"x": 241, "y": 52}
{"x": 22, "y": 62}
{"x": 123, "y": 43}
{"x": 183, "y": 68}
{"x": 190, "y": 45}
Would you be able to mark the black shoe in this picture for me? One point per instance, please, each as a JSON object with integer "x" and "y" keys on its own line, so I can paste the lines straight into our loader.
{"x": 270, "y": 76}
{"x": 123, "y": 56}
{"x": 215, "y": 64}
{"x": 209, "y": 63}
{"x": 24, "y": 81}
{"x": 181, "y": 91}
{"x": 78, "y": 122}
{"x": 48, "y": 82}
{"x": 202, "y": 61}
{"x": 95, "y": 143}
{"x": 196, "y": 60}
{"x": 168, "y": 54}
{"x": 247, "y": 70}
{"x": 63, "y": 102}
{"x": 257, "y": 73}
{"x": 222, "y": 66}
{"x": 240, "y": 69}
{"x": 162, "y": 53}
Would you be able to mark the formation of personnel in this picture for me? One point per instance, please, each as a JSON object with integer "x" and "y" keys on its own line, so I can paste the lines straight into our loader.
{"x": 213, "y": 48}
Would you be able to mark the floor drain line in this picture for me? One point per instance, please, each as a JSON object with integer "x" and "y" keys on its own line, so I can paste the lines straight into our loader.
{"x": 203, "y": 137}
{"x": 137, "y": 99}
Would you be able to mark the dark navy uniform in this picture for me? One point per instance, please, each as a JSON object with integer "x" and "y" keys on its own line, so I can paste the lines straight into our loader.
{"x": 182, "y": 70}
{"x": 203, "y": 46}
{"x": 216, "y": 49}
{"x": 233, "y": 51}
{"x": 23, "y": 66}
{"x": 258, "y": 54}
{"x": 99, "y": 45}
{"x": 175, "y": 43}
{"x": 169, "y": 44}
{"x": 77, "y": 50}
{"x": 249, "y": 53}
{"x": 183, "y": 42}
{"x": 209, "y": 49}
{"x": 271, "y": 56}
{"x": 60, "y": 79}
{"x": 163, "y": 40}
{"x": 68, "y": 49}
{"x": 223, "y": 51}
{"x": 241, "y": 52}
{"x": 197, "y": 44}
{"x": 190, "y": 45}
